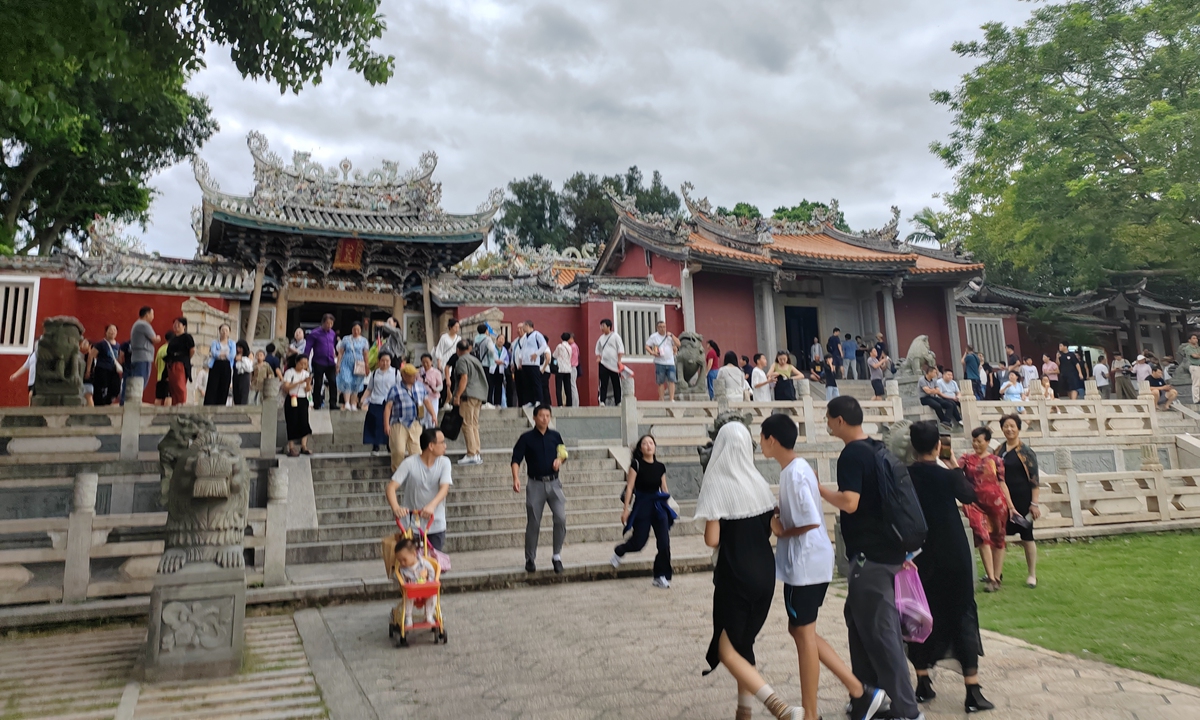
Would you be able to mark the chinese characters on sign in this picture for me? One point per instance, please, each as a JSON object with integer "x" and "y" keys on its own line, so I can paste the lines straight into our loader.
{"x": 349, "y": 254}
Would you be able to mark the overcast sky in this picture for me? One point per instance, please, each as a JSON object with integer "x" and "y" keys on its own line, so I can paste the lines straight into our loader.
{"x": 764, "y": 101}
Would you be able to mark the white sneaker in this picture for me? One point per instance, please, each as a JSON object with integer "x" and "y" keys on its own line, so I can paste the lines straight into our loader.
{"x": 489, "y": 406}
{"x": 477, "y": 459}
{"x": 465, "y": 460}
{"x": 615, "y": 560}
{"x": 661, "y": 582}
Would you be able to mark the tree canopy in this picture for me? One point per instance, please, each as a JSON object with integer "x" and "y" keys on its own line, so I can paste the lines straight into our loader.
{"x": 581, "y": 212}
{"x": 804, "y": 212}
{"x": 743, "y": 210}
{"x": 1075, "y": 145}
{"x": 93, "y": 98}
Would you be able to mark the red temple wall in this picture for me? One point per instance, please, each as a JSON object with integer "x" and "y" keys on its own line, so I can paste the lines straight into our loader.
{"x": 922, "y": 311}
{"x": 725, "y": 311}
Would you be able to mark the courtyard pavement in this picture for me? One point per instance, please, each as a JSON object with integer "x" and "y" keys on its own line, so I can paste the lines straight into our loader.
{"x": 622, "y": 649}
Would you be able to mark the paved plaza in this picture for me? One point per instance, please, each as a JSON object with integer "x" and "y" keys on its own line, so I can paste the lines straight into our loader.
{"x": 622, "y": 649}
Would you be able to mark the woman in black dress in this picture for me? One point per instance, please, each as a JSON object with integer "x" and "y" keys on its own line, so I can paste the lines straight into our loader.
{"x": 945, "y": 568}
{"x": 738, "y": 506}
{"x": 1021, "y": 476}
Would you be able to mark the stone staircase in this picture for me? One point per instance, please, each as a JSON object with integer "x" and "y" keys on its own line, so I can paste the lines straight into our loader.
{"x": 482, "y": 511}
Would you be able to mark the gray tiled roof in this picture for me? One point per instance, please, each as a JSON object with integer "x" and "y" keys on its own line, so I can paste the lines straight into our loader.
{"x": 451, "y": 290}
{"x": 632, "y": 287}
{"x": 145, "y": 272}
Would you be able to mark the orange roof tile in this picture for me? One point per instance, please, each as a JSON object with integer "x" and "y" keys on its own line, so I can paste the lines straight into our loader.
{"x": 704, "y": 246}
{"x": 927, "y": 264}
{"x": 564, "y": 275}
{"x": 830, "y": 248}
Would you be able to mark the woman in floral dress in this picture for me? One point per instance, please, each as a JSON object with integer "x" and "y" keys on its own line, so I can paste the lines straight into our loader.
{"x": 352, "y": 366}
{"x": 993, "y": 507}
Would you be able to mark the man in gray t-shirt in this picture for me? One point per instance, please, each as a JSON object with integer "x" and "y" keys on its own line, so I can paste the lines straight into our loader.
{"x": 141, "y": 348}
{"x": 423, "y": 481}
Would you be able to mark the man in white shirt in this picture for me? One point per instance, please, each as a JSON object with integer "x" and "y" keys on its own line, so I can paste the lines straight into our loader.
{"x": 610, "y": 351}
{"x": 447, "y": 347}
{"x": 533, "y": 354}
{"x": 948, "y": 387}
{"x": 804, "y": 562}
{"x": 663, "y": 345}
{"x": 1100, "y": 372}
{"x": 424, "y": 480}
{"x": 1142, "y": 369}
{"x": 760, "y": 383}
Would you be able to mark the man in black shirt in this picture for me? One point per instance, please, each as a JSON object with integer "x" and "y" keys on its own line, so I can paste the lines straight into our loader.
{"x": 544, "y": 452}
{"x": 833, "y": 346}
{"x": 179, "y": 361}
{"x": 1070, "y": 371}
{"x": 872, "y": 622}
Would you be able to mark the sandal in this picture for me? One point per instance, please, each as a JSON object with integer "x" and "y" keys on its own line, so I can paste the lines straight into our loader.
{"x": 293, "y": 453}
{"x": 305, "y": 451}
{"x": 1031, "y": 583}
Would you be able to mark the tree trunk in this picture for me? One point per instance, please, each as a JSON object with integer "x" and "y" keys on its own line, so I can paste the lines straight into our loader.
{"x": 16, "y": 199}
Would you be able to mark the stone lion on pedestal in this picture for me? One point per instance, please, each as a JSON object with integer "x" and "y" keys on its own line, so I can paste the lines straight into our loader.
{"x": 689, "y": 362}
{"x": 919, "y": 357}
{"x": 207, "y": 495}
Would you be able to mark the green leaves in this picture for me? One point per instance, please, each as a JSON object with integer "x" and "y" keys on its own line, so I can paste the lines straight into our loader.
{"x": 1075, "y": 143}
{"x": 93, "y": 96}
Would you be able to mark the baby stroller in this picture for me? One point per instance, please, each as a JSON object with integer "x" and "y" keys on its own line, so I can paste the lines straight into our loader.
{"x": 422, "y": 594}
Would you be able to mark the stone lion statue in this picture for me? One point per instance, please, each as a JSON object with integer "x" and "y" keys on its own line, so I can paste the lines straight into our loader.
{"x": 58, "y": 381}
{"x": 208, "y": 497}
{"x": 720, "y": 422}
{"x": 919, "y": 357}
{"x": 689, "y": 361}
{"x": 898, "y": 440}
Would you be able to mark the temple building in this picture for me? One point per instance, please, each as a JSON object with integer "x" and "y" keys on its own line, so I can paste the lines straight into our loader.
{"x": 310, "y": 240}
{"x": 362, "y": 246}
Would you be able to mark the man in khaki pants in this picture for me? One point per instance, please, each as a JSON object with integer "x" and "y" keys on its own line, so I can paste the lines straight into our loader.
{"x": 1189, "y": 357}
{"x": 468, "y": 392}
{"x": 406, "y": 406}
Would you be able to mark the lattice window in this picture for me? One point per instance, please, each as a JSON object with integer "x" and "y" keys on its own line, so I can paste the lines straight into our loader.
{"x": 986, "y": 335}
{"x": 18, "y": 313}
{"x": 635, "y": 323}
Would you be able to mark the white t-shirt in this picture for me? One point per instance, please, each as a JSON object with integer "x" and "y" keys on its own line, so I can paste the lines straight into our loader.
{"x": 802, "y": 559}
{"x": 292, "y": 376}
{"x": 948, "y": 388}
{"x": 665, "y": 346}
{"x": 530, "y": 348}
{"x": 1142, "y": 371}
{"x": 446, "y": 347}
{"x": 420, "y": 484}
{"x": 1029, "y": 373}
{"x": 380, "y": 384}
{"x": 1100, "y": 372}
{"x": 760, "y": 394}
{"x": 610, "y": 347}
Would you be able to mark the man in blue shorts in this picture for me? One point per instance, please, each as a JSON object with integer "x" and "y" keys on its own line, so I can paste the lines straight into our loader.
{"x": 663, "y": 345}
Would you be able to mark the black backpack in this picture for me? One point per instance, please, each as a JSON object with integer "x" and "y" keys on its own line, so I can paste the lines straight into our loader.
{"x": 481, "y": 352}
{"x": 901, "y": 509}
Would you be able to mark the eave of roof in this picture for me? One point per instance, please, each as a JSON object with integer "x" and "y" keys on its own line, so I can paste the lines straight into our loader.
{"x": 700, "y": 245}
{"x": 336, "y": 226}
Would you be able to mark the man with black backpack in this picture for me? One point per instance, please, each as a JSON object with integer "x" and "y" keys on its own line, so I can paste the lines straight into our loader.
{"x": 881, "y": 522}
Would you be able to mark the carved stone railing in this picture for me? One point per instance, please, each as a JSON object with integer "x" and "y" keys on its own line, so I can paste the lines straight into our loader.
{"x": 129, "y": 432}
{"x": 96, "y": 556}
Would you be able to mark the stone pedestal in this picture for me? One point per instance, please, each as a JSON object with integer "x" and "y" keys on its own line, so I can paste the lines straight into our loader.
{"x": 196, "y": 624}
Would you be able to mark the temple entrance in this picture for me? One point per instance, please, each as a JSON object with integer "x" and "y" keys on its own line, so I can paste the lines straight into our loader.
{"x": 308, "y": 316}
{"x": 801, "y": 326}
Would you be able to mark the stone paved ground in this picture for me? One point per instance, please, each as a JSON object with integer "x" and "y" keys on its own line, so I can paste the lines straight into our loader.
{"x": 621, "y": 649}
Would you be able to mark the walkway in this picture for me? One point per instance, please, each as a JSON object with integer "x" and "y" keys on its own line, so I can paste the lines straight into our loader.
{"x": 622, "y": 649}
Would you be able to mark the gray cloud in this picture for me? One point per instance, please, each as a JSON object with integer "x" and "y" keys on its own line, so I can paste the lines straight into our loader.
{"x": 766, "y": 102}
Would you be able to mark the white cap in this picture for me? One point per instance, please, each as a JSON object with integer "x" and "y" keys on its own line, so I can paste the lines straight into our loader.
{"x": 1141, "y": 357}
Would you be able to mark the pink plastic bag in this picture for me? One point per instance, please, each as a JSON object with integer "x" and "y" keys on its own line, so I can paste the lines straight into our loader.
{"x": 915, "y": 619}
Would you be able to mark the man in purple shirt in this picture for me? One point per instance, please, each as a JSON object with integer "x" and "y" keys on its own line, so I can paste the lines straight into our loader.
{"x": 320, "y": 346}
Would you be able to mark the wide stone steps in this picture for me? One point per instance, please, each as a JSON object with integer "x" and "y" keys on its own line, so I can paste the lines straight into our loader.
{"x": 368, "y": 547}
{"x": 368, "y": 492}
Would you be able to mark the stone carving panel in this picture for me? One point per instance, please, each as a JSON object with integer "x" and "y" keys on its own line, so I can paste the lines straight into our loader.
{"x": 197, "y": 625}
{"x": 1095, "y": 461}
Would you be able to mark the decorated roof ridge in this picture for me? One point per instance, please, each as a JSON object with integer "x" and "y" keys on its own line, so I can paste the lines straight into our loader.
{"x": 675, "y": 227}
{"x": 747, "y": 231}
{"x": 621, "y": 285}
{"x": 305, "y": 194}
{"x": 512, "y": 259}
{"x": 1003, "y": 292}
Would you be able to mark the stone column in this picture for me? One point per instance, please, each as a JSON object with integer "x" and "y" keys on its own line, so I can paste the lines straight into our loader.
{"x": 268, "y": 431}
{"x": 956, "y": 349}
{"x": 274, "y": 561}
{"x": 281, "y": 310}
{"x": 77, "y": 567}
{"x": 629, "y": 419}
{"x": 398, "y": 307}
{"x": 764, "y": 303}
{"x": 1066, "y": 466}
{"x": 892, "y": 336}
{"x": 431, "y": 337}
{"x": 131, "y": 419}
{"x": 1171, "y": 336}
{"x": 689, "y": 302}
{"x": 255, "y": 302}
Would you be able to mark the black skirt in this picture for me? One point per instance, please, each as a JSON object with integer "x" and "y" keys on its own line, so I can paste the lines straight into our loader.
{"x": 106, "y": 386}
{"x": 744, "y": 585}
{"x": 216, "y": 392}
{"x": 374, "y": 433}
{"x": 241, "y": 388}
{"x": 296, "y": 418}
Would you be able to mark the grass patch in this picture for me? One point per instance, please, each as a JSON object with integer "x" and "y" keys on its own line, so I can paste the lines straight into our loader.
{"x": 1128, "y": 600}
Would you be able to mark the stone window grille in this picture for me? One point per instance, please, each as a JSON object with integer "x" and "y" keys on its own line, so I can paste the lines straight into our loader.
{"x": 986, "y": 335}
{"x": 635, "y": 324}
{"x": 18, "y": 314}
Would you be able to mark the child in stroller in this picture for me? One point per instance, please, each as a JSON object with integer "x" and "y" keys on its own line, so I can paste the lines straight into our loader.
{"x": 409, "y": 563}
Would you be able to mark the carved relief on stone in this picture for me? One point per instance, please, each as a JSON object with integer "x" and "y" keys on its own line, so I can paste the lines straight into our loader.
{"x": 197, "y": 625}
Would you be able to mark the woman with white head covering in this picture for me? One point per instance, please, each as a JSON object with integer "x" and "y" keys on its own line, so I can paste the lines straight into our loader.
{"x": 738, "y": 506}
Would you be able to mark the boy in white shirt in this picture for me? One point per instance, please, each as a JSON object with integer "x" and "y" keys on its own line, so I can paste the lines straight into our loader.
{"x": 804, "y": 562}
{"x": 760, "y": 382}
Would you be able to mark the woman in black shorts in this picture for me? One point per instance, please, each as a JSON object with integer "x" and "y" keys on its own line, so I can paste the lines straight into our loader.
{"x": 646, "y": 491}
{"x": 738, "y": 506}
{"x": 1021, "y": 476}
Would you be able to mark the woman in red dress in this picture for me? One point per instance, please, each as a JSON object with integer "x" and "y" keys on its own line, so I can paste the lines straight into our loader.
{"x": 989, "y": 514}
